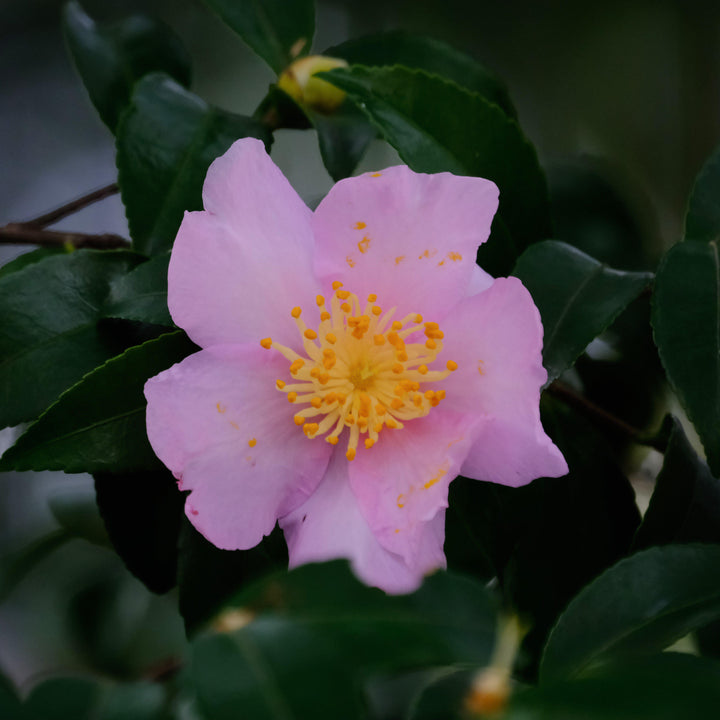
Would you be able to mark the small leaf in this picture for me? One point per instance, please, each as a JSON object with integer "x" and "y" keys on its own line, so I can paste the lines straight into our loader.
{"x": 98, "y": 425}
{"x": 642, "y": 604}
{"x": 686, "y": 318}
{"x": 165, "y": 143}
{"x": 111, "y": 58}
{"x": 141, "y": 295}
{"x": 424, "y": 53}
{"x": 29, "y": 258}
{"x": 279, "y": 31}
{"x": 143, "y": 513}
{"x": 437, "y": 126}
{"x": 685, "y": 505}
{"x": 702, "y": 221}
{"x": 578, "y": 298}
{"x": 49, "y": 333}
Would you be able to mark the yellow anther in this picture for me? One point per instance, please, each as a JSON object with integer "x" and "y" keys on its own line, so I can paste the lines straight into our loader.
{"x": 380, "y": 410}
{"x": 393, "y": 337}
{"x": 369, "y": 442}
{"x": 310, "y": 334}
{"x": 432, "y": 326}
{"x": 396, "y": 403}
{"x": 325, "y": 315}
{"x": 372, "y": 297}
{"x": 401, "y": 356}
{"x": 252, "y": 442}
{"x": 330, "y": 337}
{"x": 345, "y": 307}
{"x": 310, "y": 428}
{"x": 316, "y": 402}
{"x": 343, "y": 294}
{"x": 378, "y": 427}
{"x": 430, "y": 344}
{"x": 379, "y": 339}
{"x": 296, "y": 365}
{"x": 451, "y": 365}
{"x": 336, "y": 285}
{"x": 292, "y": 397}
{"x": 391, "y": 422}
{"x": 418, "y": 318}
{"x": 324, "y": 378}
{"x": 376, "y": 310}
{"x": 296, "y": 312}
{"x": 359, "y": 225}
{"x": 320, "y": 300}
{"x": 299, "y": 419}
{"x": 350, "y": 454}
{"x": 332, "y": 439}
{"x": 266, "y": 343}
{"x": 423, "y": 369}
{"x": 397, "y": 325}
{"x": 280, "y": 384}
{"x": 397, "y": 368}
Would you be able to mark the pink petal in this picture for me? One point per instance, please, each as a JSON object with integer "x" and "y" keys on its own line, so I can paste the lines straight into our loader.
{"x": 496, "y": 339}
{"x": 410, "y": 238}
{"x": 330, "y": 525}
{"x": 218, "y": 422}
{"x": 238, "y": 268}
{"x": 401, "y": 483}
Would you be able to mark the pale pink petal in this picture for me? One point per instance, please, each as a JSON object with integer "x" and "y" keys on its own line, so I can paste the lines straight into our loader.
{"x": 218, "y": 422}
{"x": 401, "y": 483}
{"x": 408, "y": 237}
{"x": 238, "y": 268}
{"x": 329, "y": 525}
{"x": 496, "y": 339}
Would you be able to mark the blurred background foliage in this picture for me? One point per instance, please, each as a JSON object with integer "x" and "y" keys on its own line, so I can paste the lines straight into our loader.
{"x": 622, "y": 100}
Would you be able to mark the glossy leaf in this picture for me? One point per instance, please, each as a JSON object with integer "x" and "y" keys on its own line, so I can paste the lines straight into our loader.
{"x": 141, "y": 295}
{"x": 702, "y": 221}
{"x": 98, "y": 425}
{"x": 112, "y": 57}
{"x": 143, "y": 513}
{"x": 49, "y": 332}
{"x": 29, "y": 258}
{"x": 686, "y": 318}
{"x": 398, "y": 47}
{"x": 578, "y": 298}
{"x": 317, "y": 631}
{"x": 279, "y": 31}
{"x": 185, "y": 135}
{"x": 642, "y": 604}
{"x": 685, "y": 504}
{"x": 437, "y": 126}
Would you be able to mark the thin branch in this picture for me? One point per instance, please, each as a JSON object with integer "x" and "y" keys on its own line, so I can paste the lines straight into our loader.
{"x": 26, "y": 234}
{"x": 53, "y": 216}
{"x": 595, "y": 412}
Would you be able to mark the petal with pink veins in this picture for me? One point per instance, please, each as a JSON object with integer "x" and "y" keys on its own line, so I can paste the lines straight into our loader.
{"x": 329, "y": 525}
{"x": 401, "y": 483}
{"x": 240, "y": 266}
{"x": 496, "y": 339}
{"x": 218, "y": 422}
{"x": 410, "y": 238}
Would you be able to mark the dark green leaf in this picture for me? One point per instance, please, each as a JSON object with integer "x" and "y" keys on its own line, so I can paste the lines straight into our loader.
{"x": 686, "y": 323}
{"x": 279, "y": 31}
{"x": 111, "y": 58}
{"x": 437, "y": 126}
{"x": 423, "y": 53}
{"x": 165, "y": 142}
{"x": 498, "y": 254}
{"x": 317, "y": 631}
{"x": 9, "y": 702}
{"x": 702, "y": 221}
{"x": 685, "y": 505}
{"x": 142, "y": 294}
{"x": 642, "y": 604}
{"x": 98, "y": 425}
{"x": 31, "y": 257}
{"x": 208, "y": 577}
{"x": 49, "y": 333}
{"x": 578, "y": 297}
{"x": 142, "y": 514}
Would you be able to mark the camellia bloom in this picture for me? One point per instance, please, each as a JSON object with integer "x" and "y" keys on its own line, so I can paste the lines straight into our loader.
{"x": 355, "y": 360}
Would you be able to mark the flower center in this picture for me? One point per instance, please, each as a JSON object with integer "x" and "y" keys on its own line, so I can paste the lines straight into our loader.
{"x": 362, "y": 370}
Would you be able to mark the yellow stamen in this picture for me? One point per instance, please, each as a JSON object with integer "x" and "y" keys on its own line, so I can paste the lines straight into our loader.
{"x": 266, "y": 343}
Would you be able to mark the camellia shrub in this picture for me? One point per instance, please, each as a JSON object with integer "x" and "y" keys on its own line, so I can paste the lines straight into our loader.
{"x": 367, "y": 443}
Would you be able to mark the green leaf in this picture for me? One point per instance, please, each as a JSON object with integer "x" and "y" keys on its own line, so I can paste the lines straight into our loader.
{"x": 642, "y": 604}
{"x": 686, "y": 324}
{"x": 398, "y": 47}
{"x": 49, "y": 332}
{"x": 9, "y": 702}
{"x": 437, "y": 126}
{"x": 279, "y": 31}
{"x": 98, "y": 425}
{"x": 685, "y": 505}
{"x": 578, "y": 297}
{"x": 111, "y": 58}
{"x": 75, "y": 509}
{"x": 208, "y": 576}
{"x": 31, "y": 257}
{"x": 141, "y": 295}
{"x": 317, "y": 631}
{"x": 166, "y": 141}
{"x": 702, "y": 221}
{"x": 143, "y": 513}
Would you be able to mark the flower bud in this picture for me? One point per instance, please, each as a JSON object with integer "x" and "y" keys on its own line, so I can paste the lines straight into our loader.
{"x": 299, "y": 82}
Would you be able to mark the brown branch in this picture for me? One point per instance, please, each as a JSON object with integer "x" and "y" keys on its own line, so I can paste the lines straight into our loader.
{"x": 28, "y": 234}
{"x": 53, "y": 216}
{"x": 613, "y": 423}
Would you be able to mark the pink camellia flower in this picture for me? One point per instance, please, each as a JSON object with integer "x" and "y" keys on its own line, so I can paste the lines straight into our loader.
{"x": 355, "y": 360}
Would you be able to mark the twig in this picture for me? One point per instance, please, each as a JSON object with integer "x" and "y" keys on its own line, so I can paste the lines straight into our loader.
{"x": 28, "y": 234}
{"x": 53, "y": 216}
{"x": 579, "y": 402}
